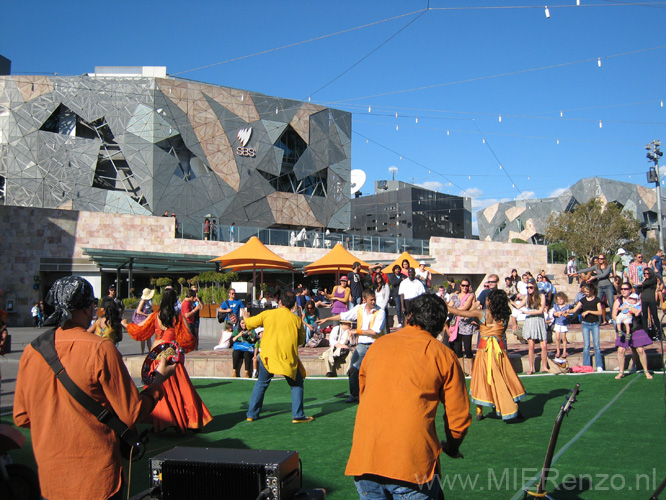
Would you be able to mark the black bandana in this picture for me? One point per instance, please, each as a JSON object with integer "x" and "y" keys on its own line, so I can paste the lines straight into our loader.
{"x": 66, "y": 295}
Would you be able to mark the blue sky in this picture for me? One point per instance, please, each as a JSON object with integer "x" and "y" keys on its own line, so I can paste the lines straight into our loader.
{"x": 448, "y": 73}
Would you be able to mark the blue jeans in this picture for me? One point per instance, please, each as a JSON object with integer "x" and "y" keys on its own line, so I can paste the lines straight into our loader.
{"x": 262, "y": 383}
{"x": 594, "y": 329}
{"x": 383, "y": 490}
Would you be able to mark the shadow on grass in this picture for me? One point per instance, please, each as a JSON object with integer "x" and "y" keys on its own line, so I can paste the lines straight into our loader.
{"x": 212, "y": 385}
{"x": 571, "y": 490}
{"x": 533, "y": 407}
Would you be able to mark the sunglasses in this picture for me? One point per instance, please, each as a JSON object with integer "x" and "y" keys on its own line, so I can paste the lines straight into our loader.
{"x": 625, "y": 288}
{"x": 492, "y": 281}
{"x": 466, "y": 286}
{"x": 530, "y": 288}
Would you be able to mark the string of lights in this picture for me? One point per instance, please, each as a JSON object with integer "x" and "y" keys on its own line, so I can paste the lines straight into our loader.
{"x": 302, "y": 42}
{"x": 596, "y": 60}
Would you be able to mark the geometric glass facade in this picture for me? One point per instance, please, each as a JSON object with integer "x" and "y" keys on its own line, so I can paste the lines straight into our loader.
{"x": 398, "y": 209}
{"x": 527, "y": 220}
{"x": 131, "y": 140}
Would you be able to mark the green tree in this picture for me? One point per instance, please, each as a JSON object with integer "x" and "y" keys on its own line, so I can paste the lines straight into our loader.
{"x": 593, "y": 228}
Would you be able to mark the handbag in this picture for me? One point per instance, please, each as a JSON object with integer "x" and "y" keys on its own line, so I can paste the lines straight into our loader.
{"x": 132, "y": 446}
{"x": 453, "y": 330}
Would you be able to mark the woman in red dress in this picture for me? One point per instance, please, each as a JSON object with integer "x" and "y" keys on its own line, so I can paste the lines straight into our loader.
{"x": 181, "y": 406}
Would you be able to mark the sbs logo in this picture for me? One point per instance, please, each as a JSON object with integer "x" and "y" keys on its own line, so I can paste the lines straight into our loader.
{"x": 244, "y": 137}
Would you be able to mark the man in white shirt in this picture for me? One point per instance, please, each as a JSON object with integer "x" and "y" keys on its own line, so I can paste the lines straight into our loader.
{"x": 410, "y": 289}
{"x": 370, "y": 324}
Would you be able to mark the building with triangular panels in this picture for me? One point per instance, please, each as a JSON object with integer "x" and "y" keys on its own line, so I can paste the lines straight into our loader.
{"x": 527, "y": 220}
{"x": 133, "y": 140}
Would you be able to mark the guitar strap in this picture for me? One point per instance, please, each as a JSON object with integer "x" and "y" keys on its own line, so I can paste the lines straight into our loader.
{"x": 45, "y": 345}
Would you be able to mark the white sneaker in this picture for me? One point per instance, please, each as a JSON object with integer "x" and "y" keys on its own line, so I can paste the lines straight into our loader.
{"x": 600, "y": 369}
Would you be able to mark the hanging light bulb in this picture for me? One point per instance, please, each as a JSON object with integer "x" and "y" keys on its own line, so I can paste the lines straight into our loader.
{"x": 547, "y": 13}
{"x": 469, "y": 177}
{"x": 599, "y": 62}
{"x": 484, "y": 140}
{"x": 396, "y": 127}
{"x": 243, "y": 97}
{"x": 561, "y": 114}
{"x": 309, "y": 99}
{"x": 662, "y": 103}
{"x": 558, "y": 141}
{"x": 601, "y": 125}
{"x": 500, "y": 167}
{"x": 276, "y": 110}
{"x": 417, "y": 119}
{"x": 366, "y": 141}
{"x": 401, "y": 157}
{"x": 500, "y": 118}
{"x": 396, "y": 114}
{"x": 528, "y": 177}
{"x": 578, "y": 3}
{"x": 369, "y": 109}
{"x": 513, "y": 185}
{"x": 448, "y": 133}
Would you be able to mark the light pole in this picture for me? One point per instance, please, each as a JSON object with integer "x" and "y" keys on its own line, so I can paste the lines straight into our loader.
{"x": 653, "y": 155}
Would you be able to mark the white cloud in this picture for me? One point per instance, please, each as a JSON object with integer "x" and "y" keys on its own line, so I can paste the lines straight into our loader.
{"x": 479, "y": 204}
{"x": 472, "y": 193}
{"x": 432, "y": 185}
{"x": 557, "y": 192}
{"x": 526, "y": 195}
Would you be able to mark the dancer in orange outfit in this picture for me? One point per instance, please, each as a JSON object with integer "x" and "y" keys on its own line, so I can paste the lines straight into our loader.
{"x": 181, "y": 406}
{"x": 494, "y": 381}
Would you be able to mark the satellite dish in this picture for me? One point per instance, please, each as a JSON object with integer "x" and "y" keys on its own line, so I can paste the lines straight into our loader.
{"x": 393, "y": 170}
{"x": 357, "y": 180}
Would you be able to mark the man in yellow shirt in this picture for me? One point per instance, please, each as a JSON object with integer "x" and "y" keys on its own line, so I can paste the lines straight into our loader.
{"x": 283, "y": 333}
{"x": 403, "y": 378}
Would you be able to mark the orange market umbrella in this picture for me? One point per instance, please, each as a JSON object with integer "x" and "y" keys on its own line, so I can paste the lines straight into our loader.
{"x": 253, "y": 255}
{"x": 412, "y": 263}
{"x": 337, "y": 260}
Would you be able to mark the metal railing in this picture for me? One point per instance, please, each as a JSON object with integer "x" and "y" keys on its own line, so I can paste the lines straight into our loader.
{"x": 304, "y": 238}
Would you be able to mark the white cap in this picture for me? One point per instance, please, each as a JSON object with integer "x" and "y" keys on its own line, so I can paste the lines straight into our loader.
{"x": 422, "y": 263}
{"x": 633, "y": 296}
{"x": 621, "y": 251}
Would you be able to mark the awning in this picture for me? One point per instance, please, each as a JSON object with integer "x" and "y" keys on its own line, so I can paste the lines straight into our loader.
{"x": 150, "y": 262}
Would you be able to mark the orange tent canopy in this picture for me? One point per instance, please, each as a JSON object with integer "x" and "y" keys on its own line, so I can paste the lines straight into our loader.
{"x": 338, "y": 259}
{"x": 412, "y": 263}
{"x": 253, "y": 254}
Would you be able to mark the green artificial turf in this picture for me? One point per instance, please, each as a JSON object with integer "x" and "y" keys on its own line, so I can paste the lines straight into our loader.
{"x": 612, "y": 452}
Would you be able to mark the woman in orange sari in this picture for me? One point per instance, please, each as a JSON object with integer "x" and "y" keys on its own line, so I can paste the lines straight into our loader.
{"x": 181, "y": 407}
{"x": 494, "y": 381}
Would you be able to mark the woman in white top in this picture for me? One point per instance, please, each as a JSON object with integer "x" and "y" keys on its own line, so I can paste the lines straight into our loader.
{"x": 382, "y": 292}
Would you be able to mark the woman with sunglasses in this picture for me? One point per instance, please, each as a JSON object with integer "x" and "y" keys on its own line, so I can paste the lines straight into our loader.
{"x": 310, "y": 316}
{"x": 648, "y": 289}
{"x": 602, "y": 280}
{"x": 590, "y": 307}
{"x": 638, "y": 340}
{"x": 534, "y": 327}
{"x": 460, "y": 335}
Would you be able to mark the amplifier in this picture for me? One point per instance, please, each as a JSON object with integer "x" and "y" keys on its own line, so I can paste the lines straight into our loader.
{"x": 185, "y": 473}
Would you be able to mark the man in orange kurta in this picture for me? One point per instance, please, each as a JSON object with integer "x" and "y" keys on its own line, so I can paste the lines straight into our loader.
{"x": 78, "y": 456}
{"x": 403, "y": 378}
